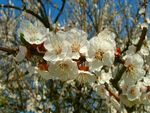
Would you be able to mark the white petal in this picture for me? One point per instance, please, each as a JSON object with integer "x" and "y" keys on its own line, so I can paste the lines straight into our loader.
{"x": 21, "y": 54}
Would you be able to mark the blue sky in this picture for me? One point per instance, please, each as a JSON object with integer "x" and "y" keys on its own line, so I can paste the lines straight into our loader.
{"x": 63, "y": 16}
{"x": 53, "y": 11}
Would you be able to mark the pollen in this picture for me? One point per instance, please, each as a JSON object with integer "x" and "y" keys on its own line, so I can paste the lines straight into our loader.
{"x": 99, "y": 54}
{"x": 130, "y": 68}
{"x": 75, "y": 47}
{"x": 58, "y": 49}
{"x": 145, "y": 43}
{"x": 133, "y": 92}
{"x": 63, "y": 66}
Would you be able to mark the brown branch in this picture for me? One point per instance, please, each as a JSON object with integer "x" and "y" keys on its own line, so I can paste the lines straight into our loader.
{"x": 111, "y": 92}
{"x": 8, "y": 50}
{"x": 142, "y": 38}
{"x": 60, "y": 11}
{"x": 91, "y": 19}
{"x": 130, "y": 32}
{"x": 47, "y": 25}
{"x": 43, "y": 12}
{"x": 119, "y": 75}
{"x": 42, "y": 8}
{"x": 144, "y": 30}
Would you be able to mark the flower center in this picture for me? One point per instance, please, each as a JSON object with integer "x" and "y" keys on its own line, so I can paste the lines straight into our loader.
{"x": 133, "y": 92}
{"x": 75, "y": 46}
{"x": 145, "y": 43}
{"x": 102, "y": 90}
{"x": 130, "y": 68}
{"x": 63, "y": 66}
{"x": 99, "y": 54}
{"x": 82, "y": 77}
{"x": 58, "y": 49}
{"x": 33, "y": 32}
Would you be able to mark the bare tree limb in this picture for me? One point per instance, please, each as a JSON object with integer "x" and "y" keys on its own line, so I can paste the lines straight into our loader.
{"x": 43, "y": 10}
{"x": 91, "y": 19}
{"x": 8, "y": 50}
{"x": 61, "y": 10}
{"x": 119, "y": 74}
{"x": 142, "y": 38}
{"x": 47, "y": 25}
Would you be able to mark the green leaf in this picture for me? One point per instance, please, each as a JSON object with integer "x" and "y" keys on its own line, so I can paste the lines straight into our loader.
{"x": 23, "y": 40}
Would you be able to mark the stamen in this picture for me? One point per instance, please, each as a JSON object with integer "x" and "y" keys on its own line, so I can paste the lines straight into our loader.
{"x": 130, "y": 68}
{"x": 99, "y": 54}
{"x": 75, "y": 46}
{"x": 133, "y": 92}
{"x": 58, "y": 49}
{"x": 63, "y": 66}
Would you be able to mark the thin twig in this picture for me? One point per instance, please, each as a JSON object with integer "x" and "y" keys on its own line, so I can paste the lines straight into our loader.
{"x": 119, "y": 75}
{"x": 47, "y": 25}
{"x": 9, "y": 50}
{"x": 142, "y": 38}
{"x": 42, "y": 8}
{"x": 61, "y": 10}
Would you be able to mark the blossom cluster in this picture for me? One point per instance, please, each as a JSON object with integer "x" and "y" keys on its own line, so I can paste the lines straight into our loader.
{"x": 69, "y": 55}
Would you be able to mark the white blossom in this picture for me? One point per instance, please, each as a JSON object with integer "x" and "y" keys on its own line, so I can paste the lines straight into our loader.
{"x": 148, "y": 20}
{"x": 133, "y": 92}
{"x": 101, "y": 91}
{"x": 100, "y": 52}
{"x": 145, "y": 47}
{"x": 63, "y": 70}
{"x": 103, "y": 76}
{"x": 77, "y": 43}
{"x": 108, "y": 35}
{"x": 33, "y": 34}
{"x": 142, "y": 10}
{"x": 45, "y": 74}
{"x": 127, "y": 102}
{"x": 131, "y": 50}
{"x": 146, "y": 81}
{"x": 148, "y": 97}
{"x": 111, "y": 101}
{"x": 56, "y": 47}
{"x": 144, "y": 25}
{"x": 124, "y": 87}
{"x": 86, "y": 77}
{"x": 21, "y": 54}
{"x": 134, "y": 68}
